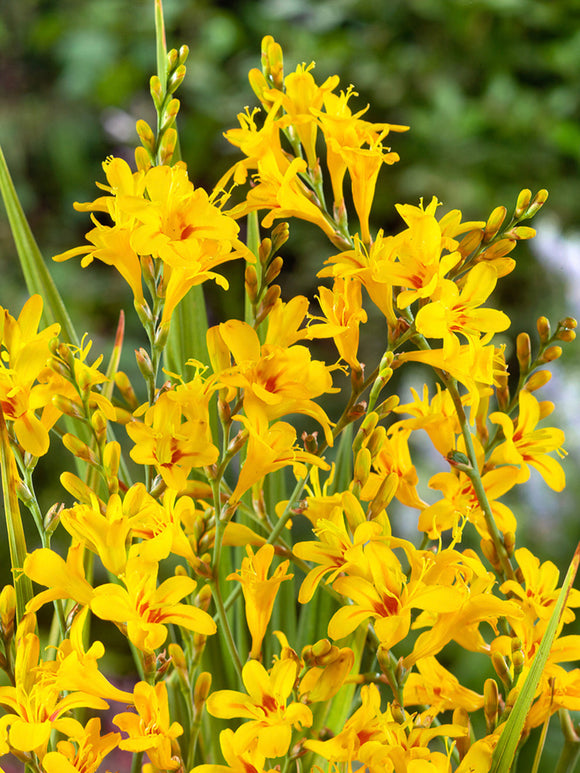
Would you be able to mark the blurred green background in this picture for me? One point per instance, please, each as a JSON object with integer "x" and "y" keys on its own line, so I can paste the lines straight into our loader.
{"x": 490, "y": 89}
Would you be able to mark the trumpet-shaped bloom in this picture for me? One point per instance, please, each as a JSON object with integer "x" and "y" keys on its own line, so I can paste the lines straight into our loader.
{"x": 269, "y": 449}
{"x": 150, "y": 730}
{"x": 173, "y": 446}
{"x": 146, "y": 608}
{"x": 527, "y": 446}
{"x": 83, "y": 752}
{"x": 24, "y": 355}
{"x": 266, "y": 707}
{"x": 455, "y": 311}
{"x": 276, "y": 380}
{"x": 260, "y": 591}
{"x": 238, "y": 758}
{"x": 35, "y": 702}
{"x": 157, "y": 212}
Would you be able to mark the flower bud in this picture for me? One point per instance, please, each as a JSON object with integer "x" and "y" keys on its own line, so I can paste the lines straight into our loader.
{"x": 490, "y": 703}
{"x": 280, "y": 235}
{"x": 524, "y": 351}
{"x": 270, "y": 298}
{"x": 68, "y": 407}
{"x": 144, "y": 363}
{"x": 537, "y": 380}
{"x": 176, "y": 78}
{"x": 494, "y": 223}
{"x": 79, "y": 449}
{"x": 126, "y": 389}
{"x": 470, "y": 243}
{"x": 377, "y": 441}
{"x": 365, "y": 430}
{"x": 551, "y": 353}
{"x": 523, "y": 202}
{"x": 387, "y": 406}
{"x": 201, "y": 690}
{"x": 167, "y": 146}
{"x": 52, "y": 519}
{"x": 183, "y": 54}
{"x": 99, "y": 424}
{"x": 321, "y": 649}
{"x": 362, "y": 467}
{"x": 521, "y": 232}
{"x": 264, "y": 251}
{"x": 544, "y": 331}
{"x": 169, "y": 114}
{"x": 251, "y": 282}
{"x": 7, "y": 612}
{"x": 501, "y": 669}
{"x": 273, "y": 270}
{"x": 498, "y": 249}
{"x": 156, "y": 90}
{"x": 489, "y": 551}
{"x": 566, "y": 335}
{"x": 463, "y": 742}
{"x": 146, "y": 135}
{"x": 537, "y": 203}
{"x": 272, "y": 62}
{"x": 384, "y": 495}
{"x": 142, "y": 159}
{"x": 509, "y": 541}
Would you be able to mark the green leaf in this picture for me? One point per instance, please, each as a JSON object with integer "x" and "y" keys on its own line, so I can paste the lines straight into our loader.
{"x": 37, "y": 277}
{"x": 505, "y": 750}
{"x": 16, "y": 540}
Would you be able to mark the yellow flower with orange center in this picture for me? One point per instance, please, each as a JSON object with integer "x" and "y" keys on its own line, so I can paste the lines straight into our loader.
{"x": 271, "y": 717}
{"x": 260, "y": 591}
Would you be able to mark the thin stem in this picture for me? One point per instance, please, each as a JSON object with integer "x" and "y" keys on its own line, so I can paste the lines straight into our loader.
{"x": 472, "y": 472}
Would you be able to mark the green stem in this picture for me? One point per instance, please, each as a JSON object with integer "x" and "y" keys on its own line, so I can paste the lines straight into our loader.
{"x": 16, "y": 540}
{"x": 472, "y": 472}
{"x": 568, "y": 757}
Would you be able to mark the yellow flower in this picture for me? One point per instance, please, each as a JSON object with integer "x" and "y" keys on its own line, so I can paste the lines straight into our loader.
{"x": 265, "y": 705}
{"x": 276, "y": 380}
{"x": 372, "y": 265}
{"x": 259, "y": 591}
{"x": 146, "y": 608}
{"x": 367, "y": 726}
{"x": 238, "y": 759}
{"x": 159, "y": 213}
{"x": 150, "y": 729}
{"x": 460, "y": 501}
{"x": 437, "y": 417}
{"x": 83, "y": 752}
{"x": 388, "y": 597}
{"x": 172, "y": 446}
{"x": 24, "y": 355}
{"x": 270, "y": 448}
{"x": 302, "y": 97}
{"x": 343, "y": 312}
{"x": 35, "y": 703}
{"x": 283, "y": 194}
{"x": 64, "y": 579}
{"x": 342, "y": 129}
{"x": 454, "y": 311}
{"x": 104, "y": 534}
{"x": 438, "y": 688}
{"x": 528, "y": 447}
